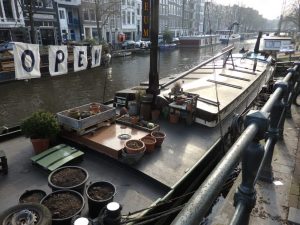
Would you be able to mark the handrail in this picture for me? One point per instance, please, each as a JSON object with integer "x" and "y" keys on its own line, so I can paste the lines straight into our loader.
{"x": 224, "y": 51}
{"x": 256, "y": 160}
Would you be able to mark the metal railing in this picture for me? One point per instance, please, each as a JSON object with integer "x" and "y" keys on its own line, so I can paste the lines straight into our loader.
{"x": 266, "y": 123}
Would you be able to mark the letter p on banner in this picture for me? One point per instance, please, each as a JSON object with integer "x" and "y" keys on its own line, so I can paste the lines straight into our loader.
{"x": 27, "y": 61}
{"x": 58, "y": 60}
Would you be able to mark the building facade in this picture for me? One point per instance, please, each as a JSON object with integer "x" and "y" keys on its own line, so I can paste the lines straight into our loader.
{"x": 11, "y": 21}
{"x": 69, "y": 20}
{"x": 42, "y": 14}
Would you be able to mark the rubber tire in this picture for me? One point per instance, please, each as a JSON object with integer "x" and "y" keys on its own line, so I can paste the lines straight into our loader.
{"x": 43, "y": 212}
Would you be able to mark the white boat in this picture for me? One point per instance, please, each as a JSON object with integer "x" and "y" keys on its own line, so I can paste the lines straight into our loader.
{"x": 226, "y": 36}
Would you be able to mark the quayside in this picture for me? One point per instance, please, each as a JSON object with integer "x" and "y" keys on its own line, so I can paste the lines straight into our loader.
{"x": 190, "y": 151}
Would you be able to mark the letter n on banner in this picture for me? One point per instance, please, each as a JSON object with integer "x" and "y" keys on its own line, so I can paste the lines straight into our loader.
{"x": 146, "y": 19}
{"x": 27, "y": 61}
{"x": 96, "y": 55}
{"x": 58, "y": 60}
{"x": 80, "y": 58}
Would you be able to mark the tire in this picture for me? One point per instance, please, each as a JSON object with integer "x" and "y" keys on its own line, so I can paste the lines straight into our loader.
{"x": 43, "y": 213}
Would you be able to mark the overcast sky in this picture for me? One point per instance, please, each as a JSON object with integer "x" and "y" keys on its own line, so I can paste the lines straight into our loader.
{"x": 270, "y": 9}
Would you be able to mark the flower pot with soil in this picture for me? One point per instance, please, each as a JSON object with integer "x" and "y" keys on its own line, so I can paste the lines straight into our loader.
{"x": 159, "y": 136}
{"x": 99, "y": 194}
{"x": 32, "y": 196}
{"x": 64, "y": 205}
{"x": 134, "y": 146}
{"x": 39, "y": 126}
{"x": 68, "y": 177}
{"x": 94, "y": 108}
{"x": 149, "y": 143}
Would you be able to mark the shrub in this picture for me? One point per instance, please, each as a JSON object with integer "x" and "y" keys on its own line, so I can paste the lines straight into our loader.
{"x": 40, "y": 124}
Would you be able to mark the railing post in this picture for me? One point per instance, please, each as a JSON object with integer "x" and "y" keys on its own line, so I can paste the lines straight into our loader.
{"x": 245, "y": 196}
{"x": 277, "y": 114}
{"x": 296, "y": 87}
{"x": 290, "y": 90}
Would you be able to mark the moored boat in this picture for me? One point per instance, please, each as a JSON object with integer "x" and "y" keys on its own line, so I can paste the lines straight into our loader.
{"x": 198, "y": 41}
{"x": 226, "y": 36}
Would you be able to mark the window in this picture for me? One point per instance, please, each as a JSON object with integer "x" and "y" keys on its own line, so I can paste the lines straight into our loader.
{"x": 123, "y": 17}
{"x": 62, "y": 14}
{"x": 39, "y": 4}
{"x": 133, "y": 18}
{"x": 49, "y": 4}
{"x": 92, "y": 15}
{"x": 138, "y": 10}
{"x": 128, "y": 17}
{"x": 86, "y": 14}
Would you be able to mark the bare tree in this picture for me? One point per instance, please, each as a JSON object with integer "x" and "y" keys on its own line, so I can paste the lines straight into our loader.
{"x": 105, "y": 10}
{"x": 293, "y": 13}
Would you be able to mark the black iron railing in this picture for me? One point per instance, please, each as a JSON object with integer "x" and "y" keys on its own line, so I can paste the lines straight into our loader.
{"x": 256, "y": 159}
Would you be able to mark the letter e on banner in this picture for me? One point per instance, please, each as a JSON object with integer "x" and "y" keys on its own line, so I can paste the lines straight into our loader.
{"x": 80, "y": 58}
{"x": 27, "y": 61}
{"x": 96, "y": 55}
{"x": 58, "y": 60}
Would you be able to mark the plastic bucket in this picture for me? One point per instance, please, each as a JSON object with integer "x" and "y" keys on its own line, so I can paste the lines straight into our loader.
{"x": 78, "y": 187}
{"x": 97, "y": 204}
{"x": 66, "y": 220}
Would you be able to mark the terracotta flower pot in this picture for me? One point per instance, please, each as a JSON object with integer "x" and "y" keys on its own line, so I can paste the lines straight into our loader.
{"x": 94, "y": 108}
{"x": 149, "y": 143}
{"x": 174, "y": 118}
{"x": 40, "y": 145}
{"x": 159, "y": 136}
{"x": 134, "y": 119}
{"x": 134, "y": 146}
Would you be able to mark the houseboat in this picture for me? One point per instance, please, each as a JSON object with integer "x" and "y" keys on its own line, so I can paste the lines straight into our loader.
{"x": 198, "y": 41}
{"x": 156, "y": 186}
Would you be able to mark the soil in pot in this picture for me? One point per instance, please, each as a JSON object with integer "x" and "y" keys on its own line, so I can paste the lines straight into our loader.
{"x": 134, "y": 146}
{"x": 100, "y": 193}
{"x": 32, "y": 196}
{"x": 63, "y": 205}
{"x": 68, "y": 177}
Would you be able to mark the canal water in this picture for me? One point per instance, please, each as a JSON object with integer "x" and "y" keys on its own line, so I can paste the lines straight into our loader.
{"x": 20, "y": 98}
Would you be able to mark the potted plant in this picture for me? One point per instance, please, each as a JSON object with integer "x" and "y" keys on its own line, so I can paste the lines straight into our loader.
{"x": 40, "y": 127}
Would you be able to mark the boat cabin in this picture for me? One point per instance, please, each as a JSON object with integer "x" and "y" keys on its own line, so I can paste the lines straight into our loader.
{"x": 275, "y": 43}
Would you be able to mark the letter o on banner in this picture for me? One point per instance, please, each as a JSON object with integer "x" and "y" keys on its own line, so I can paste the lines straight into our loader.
{"x": 23, "y": 59}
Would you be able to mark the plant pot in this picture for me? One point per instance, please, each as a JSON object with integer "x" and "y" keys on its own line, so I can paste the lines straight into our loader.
{"x": 155, "y": 115}
{"x": 32, "y": 196}
{"x": 68, "y": 177}
{"x": 134, "y": 119}
{"x": 174, "y": 118}
{"x": 99, "y": 194}
{"x": 159, "y": 136}
{"x": 134, "y": 146}
{"x": 40, "y": 145}
{"x": 64, "y": 205}
{"x": 132, "y": 158}
{"x": 74, "y": 113}
{"x": 149, "y": 143}
{"x": 94, "y": 108}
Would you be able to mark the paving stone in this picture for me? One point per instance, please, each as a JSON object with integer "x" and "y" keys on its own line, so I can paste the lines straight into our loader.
{"x": 294, "y": 216}
{"x": 282, "y": 168}
{"x": 293, "y": 201}
{"x": 294, "y": 189}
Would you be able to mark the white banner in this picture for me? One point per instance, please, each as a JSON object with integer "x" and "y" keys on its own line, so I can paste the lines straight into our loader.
{"x": 58, "y": 60}
{"x": 27, "y": 61}
{"x": 96, "y": 55}
{"x": 80, "y": 58}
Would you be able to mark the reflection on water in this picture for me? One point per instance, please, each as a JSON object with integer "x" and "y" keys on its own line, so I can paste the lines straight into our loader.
{"x": 20, "y": 98}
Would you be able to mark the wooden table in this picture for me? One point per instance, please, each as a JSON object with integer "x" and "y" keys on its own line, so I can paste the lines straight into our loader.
{"x": 106, "y": 139}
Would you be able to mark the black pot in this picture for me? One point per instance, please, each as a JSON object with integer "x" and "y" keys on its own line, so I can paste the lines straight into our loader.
{"x": 95, "y": 206}
{"x": 32, "y": 196}
{"x": 66, "y": 220}
{"x": 79, "y": 187}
